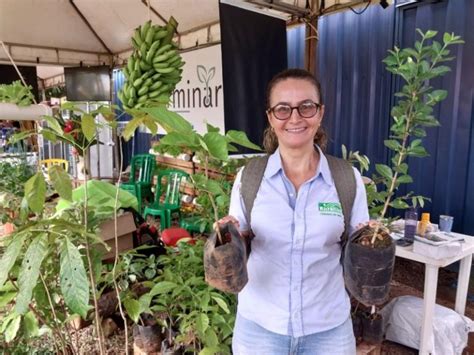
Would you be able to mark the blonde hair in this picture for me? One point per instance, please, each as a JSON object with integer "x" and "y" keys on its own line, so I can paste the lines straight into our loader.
{"x": 270, "y": 140}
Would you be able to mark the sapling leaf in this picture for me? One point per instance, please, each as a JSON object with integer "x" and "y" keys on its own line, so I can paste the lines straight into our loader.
{"x": 10, "y": 255}
{"x": 73, "y": 279}
{"x": 29, "y": 272}
{"x": 133, "y": 308}
{"x": 384, "y": 170}
{"x": 88, "y": 126}
{"x": 35, "y": 192}
{"x": 61, "y": 182}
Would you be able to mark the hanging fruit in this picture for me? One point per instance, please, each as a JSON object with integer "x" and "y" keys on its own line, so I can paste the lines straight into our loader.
{"x": 154, "y": 68}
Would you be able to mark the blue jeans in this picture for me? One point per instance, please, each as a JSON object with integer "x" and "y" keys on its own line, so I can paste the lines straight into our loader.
{"x": 250, "y": 339}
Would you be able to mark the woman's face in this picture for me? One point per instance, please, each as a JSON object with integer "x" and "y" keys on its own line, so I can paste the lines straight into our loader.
{"x": 296, "y": 132}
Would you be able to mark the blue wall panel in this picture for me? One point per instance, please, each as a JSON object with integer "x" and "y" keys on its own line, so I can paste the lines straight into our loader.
{"x": 295, "y": 38}
{"x": 359, "y": 92}
{"x": 356, "y": 88}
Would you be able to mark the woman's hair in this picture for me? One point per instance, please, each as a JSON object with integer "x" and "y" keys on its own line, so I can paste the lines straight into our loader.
{"x": 270, "y": 141}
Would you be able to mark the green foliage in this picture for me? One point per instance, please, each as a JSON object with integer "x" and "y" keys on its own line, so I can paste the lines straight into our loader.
{"x": 16, "y": 93}
{"x": 182, "y": 301}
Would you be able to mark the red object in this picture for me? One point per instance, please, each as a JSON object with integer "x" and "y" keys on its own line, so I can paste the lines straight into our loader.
{"x": 171, "y": 236}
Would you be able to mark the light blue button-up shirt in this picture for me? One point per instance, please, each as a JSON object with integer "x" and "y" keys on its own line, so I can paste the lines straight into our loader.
{"x": 296, "y": 285}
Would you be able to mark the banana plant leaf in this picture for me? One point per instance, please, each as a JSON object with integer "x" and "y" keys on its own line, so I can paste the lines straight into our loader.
{"x": 101, "y": 194}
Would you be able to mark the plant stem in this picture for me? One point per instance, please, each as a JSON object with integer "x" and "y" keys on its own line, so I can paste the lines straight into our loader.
{"x": 213, "y": 203}
{"x": 91, "y": 272}
{"x": 114, "y": 269}
{"x": 56, "y": 321}
{"x": 401, "y": 157}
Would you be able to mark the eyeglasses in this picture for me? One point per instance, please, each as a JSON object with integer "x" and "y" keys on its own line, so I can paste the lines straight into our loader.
{"x": 306, "y": 109}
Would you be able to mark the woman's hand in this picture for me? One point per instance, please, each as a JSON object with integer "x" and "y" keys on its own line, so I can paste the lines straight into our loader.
{"x": 226, "y": 219}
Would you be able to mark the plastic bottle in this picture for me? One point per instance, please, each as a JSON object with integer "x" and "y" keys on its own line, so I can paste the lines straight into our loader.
{"x": 424, "y": 224}
{"x": 411, "y": 220}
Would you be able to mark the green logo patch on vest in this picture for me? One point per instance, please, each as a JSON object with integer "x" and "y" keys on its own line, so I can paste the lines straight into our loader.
{"x": 330, "y": 209}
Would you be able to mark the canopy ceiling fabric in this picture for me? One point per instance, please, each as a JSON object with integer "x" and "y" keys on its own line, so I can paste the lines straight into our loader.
{"x": 57, "y": 31}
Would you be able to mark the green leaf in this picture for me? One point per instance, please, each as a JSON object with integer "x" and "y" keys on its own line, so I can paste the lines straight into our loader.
{"x": 162, "y": 287}
{"x": 133, "y": 308}
{"x": 73, "y": 279}
{"x": 54, "y": 124}
{"x": 130, "y": 128}
{"x": 30, "y": 325}
{"x": 430, "y": 34}
{"x": 35, "y": 192}
{"x": 202, "y": 324}
{"x": 211, "y": 128}
{"x": 49, "y": 135}
{"x": 10, "y": 256}
{"x": 221, "y": 304}
{"x": 150, "y": 124}
{"x": 210, "y": 338}
{"x": 61, "y": 182}
{"x": 181, "y": 139}
{"x": 405, "y": 179}
{"x": 29, "y": 271}
{"x": 384, "y": 171}
{"x": 399, "y": 204}
{"x": 418, "y": 152}
{"x": 209, "y": 350}
{"x": 88, "y": 126}
{"x": 447, "y": 38}
{"x": 12, "y": 328}
{"x": 439, "y": 95}
{"x": 70, "y": 106}
{"x": 170, "y": 121}
{"x": 392, "y": 144}
{"x": 216, "y": 145}
{"x": 240, "y": 138}
{"x": 18, "y": 137}
{"x": 441, "y": 70}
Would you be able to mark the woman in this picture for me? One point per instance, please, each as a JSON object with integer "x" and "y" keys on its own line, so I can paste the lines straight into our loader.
{"x": 295, "y": 301}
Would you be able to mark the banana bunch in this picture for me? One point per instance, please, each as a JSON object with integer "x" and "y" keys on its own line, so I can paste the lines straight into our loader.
{"x": 154, "y": 68}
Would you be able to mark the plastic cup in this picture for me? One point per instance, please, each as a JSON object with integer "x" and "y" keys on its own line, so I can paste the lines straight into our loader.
{"x": 445, "y": 223}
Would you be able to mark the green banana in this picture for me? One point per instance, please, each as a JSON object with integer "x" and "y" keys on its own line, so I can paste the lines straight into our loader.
{"x": 156, "y": 76}
{"x": 160, "y": 58}
{"x": 131, "y": 102}
{"x": 143, "y": 90}
{"x": 135, "y": 43}
{"x": 150, "y": 35}
{"x": 132, "y": 92}
{"x": 144, "y": 66}
{"x": 170, "y": 28}
{"x": 131, "y": 64}
{"x": 164, "y": 70}
{"x": 148, "y": 82}
{"x": 155, "y": 85}
{"x": 163, "y": 49}
{"x": 159, "y": 34}
{"x": 137, "y": 38}
{"x": 138, "y": 82}
{"x": 125, "y": 71}
{"x": 148, "y": 74}
{"x": 154, "y": 94}
{"x": 143, "y": 49}
{"x": 160, "y": 65}
{"x": 151, "y": 52}
{"x": 143, "y": 98}
{"x": 133, "y": 77}
{"x": 144, "y": 29}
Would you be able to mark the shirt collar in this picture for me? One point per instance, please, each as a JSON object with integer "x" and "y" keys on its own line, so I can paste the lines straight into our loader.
{"x": 274, "y": 166}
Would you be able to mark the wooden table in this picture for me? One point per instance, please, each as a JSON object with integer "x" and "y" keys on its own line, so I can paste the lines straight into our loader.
{"x": 431, "y": 282}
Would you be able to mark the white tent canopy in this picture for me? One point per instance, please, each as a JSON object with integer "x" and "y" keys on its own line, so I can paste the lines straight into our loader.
{"x": 67, "y": 32}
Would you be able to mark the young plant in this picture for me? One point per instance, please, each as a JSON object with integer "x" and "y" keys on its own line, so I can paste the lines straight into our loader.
{"x": 412, "y": 114}
{"x": 212, "y": 149}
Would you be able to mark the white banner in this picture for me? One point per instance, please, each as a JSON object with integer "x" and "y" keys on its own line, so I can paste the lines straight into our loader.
{"x": 199, "y": 96}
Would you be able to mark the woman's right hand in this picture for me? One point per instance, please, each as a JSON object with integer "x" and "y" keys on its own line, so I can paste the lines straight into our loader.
{"x": 227, "y": 219}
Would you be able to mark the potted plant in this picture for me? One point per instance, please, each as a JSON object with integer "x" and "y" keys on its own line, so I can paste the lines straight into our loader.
{"x": 370, "y": 253}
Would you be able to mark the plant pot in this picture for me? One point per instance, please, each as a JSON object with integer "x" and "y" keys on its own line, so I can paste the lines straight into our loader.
{"x": 368, "y": 271}
{"x": 167, "y": 349}
{"x": 357, "y": 326}
{"x": 373, "y": 331}
{"x": 225, "y": 264}
{"x": 146, "y": 340}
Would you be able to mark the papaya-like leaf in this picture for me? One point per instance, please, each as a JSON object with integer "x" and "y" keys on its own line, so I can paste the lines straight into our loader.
{"x": 210, "y": 338}
{"x": 89, "y": 127}
{"x": 221, "y": 304}
{"x": 35, "y": 192}
{"x": 29, "y": 271}
{"x": 12, "y": 328}
{"x": 162, "y": 287}
{"x": 170, "y": 121}
{"x": 131, "y": 127}
{"x": 9, "y": 257}
{"x": 211, "y": 128}
{"x": 73, "y": 279}
{"x": 30, "y": 325}
{"x": 216, "y": 145}
{"x": 54, "y": 124}
{"x": 61, "y": 182}
{"x": 240, "y": 138}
